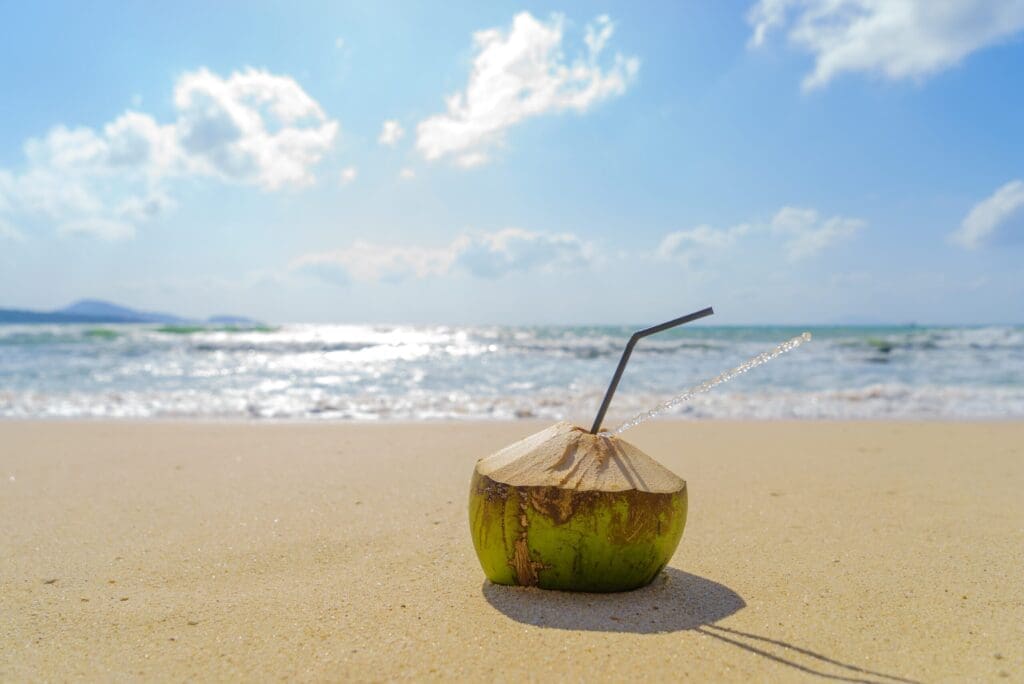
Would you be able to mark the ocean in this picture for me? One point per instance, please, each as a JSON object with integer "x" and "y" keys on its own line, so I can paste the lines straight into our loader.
{"x": 394, "y": 372}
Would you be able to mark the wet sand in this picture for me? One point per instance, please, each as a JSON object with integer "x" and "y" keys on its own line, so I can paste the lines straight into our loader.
{"x": 883, "y": 552}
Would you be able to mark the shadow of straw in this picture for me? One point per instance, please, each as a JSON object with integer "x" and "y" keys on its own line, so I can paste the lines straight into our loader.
{"x": 675, "y": 601}
{"x": 716, "y": 632}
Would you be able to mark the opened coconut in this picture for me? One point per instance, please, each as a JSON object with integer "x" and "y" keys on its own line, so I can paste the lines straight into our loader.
{"x": 581, "y": 510}
{"x": 567, "y": 509}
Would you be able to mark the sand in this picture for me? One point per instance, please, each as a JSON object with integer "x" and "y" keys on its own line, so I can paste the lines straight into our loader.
{"x": 884, "y": 552}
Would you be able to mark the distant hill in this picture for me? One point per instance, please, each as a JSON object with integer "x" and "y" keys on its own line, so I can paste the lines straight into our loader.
{"x": 114, "y": 312}
{"x": 22, "y": 316}
{"x": 98, "y": 311}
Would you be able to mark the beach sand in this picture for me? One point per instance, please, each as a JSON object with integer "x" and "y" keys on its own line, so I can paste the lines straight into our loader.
{"x": 881, "y": 552}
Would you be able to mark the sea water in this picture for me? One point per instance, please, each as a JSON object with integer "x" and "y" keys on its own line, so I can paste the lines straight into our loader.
{"x": 394, "y": 372}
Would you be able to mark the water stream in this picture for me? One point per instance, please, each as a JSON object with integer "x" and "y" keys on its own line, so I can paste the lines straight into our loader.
{"x": 707, "y": 385}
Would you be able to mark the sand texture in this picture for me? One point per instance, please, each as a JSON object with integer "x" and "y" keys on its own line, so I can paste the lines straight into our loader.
{"x": 881, "y": 552}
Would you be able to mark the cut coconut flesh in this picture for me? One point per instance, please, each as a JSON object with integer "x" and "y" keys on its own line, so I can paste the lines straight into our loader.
{"x": 569, "y": 457}
{"x": 566, "y": 509}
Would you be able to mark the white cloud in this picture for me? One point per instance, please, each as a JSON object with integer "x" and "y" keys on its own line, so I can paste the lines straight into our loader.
{"x": 136, "y": 142}
{"x": 9, "y": 232}
{"x": 390, "y": 133}
{"x": 6, "y": 188}
{"x": 471, "y": 160}
{"x": 807, "y": 234}
{"x": 348, "y": 174}
{"x": 339, "y": 42}
{"x": 407, "y": 174}
{"x": 802, "y": 232}
{"x": 897, "y": 39}
{"x": 143, "y": 208}
{"x": 103, "y": 228}
{"x": 520, "y": 74}
{"x": 365, "y": 261}
{"x": 686, "y": 246}
{"x": 486, "y": 255}
{"x": 251, "y": 128}
{"x": 513, "y": 249}
{"x": 989, "y": 215}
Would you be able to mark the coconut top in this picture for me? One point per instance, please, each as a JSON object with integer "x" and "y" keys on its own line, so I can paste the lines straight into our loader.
{"x": 569, "y": 457}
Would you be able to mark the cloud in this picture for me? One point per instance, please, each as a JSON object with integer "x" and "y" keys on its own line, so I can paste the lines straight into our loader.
{"x": 6, "y": 188}
{"x": 251, "y": 128}
{"x": 687, "y": 246}
{"x": 806, "y": 233}
{"x": 144, "y": 207}
{"x": 513, "y": 249}
{"x": 390, "y": 133}
{"x": 802, "y": 231}
{"x": 9, "y": 232}
{"x": 347, "y": 175}
{"x": 105, "y": 229}
{"x": 365, "y": 261}
{"x": 897, "y": 39}
{"x": 485, "y": 255}
{"x": 988, "y": 216}
{"x": 136, "y": 142}
{"x": 407, "y": 174}
{"x": 519, "y": 74}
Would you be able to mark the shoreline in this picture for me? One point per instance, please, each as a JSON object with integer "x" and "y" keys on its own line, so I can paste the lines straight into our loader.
{"x": 172, "y": 549}
{"x": 457, "y": 422}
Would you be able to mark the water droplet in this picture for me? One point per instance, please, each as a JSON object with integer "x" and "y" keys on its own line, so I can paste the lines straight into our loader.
{"x": 707, "y": 385}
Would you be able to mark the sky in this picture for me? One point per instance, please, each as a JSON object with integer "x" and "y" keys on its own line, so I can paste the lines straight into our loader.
{"x": 786, "y": 161}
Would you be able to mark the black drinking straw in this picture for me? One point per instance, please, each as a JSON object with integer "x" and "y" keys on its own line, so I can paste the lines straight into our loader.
{"x": 629, "y": 350}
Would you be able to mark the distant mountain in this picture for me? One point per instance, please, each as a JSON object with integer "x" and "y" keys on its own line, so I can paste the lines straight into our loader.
{"x": 114, "y": 312}
{"x": 22, "y": 316}
{"x": 98, "y": 311}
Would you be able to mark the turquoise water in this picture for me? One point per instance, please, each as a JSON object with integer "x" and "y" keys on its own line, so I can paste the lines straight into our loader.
{"x": 374, "y": 372}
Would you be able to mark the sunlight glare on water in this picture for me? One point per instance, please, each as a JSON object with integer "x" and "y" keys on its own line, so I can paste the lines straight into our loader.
{"x": 328, "y": 372}
{"x": 707, "y": 385}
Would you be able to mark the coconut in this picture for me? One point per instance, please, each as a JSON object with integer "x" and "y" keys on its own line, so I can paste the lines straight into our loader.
{"x": 567, "y": 509}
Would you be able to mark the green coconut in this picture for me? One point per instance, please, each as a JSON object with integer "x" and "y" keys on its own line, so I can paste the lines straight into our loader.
{"x": 566, "y": 509}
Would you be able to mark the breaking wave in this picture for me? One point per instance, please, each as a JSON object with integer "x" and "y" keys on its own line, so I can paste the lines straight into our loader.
{"x": 352, "y": 372}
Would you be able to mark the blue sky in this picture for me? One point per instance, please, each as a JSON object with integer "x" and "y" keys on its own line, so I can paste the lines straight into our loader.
{"x": 786, "y": 161}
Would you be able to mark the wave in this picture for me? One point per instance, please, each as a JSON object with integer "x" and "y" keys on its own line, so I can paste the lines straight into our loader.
{"x": 272, "y": 347}
{"x": 369, "y": 372}
{"x": 228, "y": 329}
{"x": 892, "y": 401}
{"x": 992, "y": 337}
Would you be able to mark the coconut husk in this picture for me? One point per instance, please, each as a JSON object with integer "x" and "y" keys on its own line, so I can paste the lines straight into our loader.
{"x": 569, "y": 457}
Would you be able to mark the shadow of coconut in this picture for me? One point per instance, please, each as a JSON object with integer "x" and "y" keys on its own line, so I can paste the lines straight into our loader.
{"x": 674, "y": 601}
